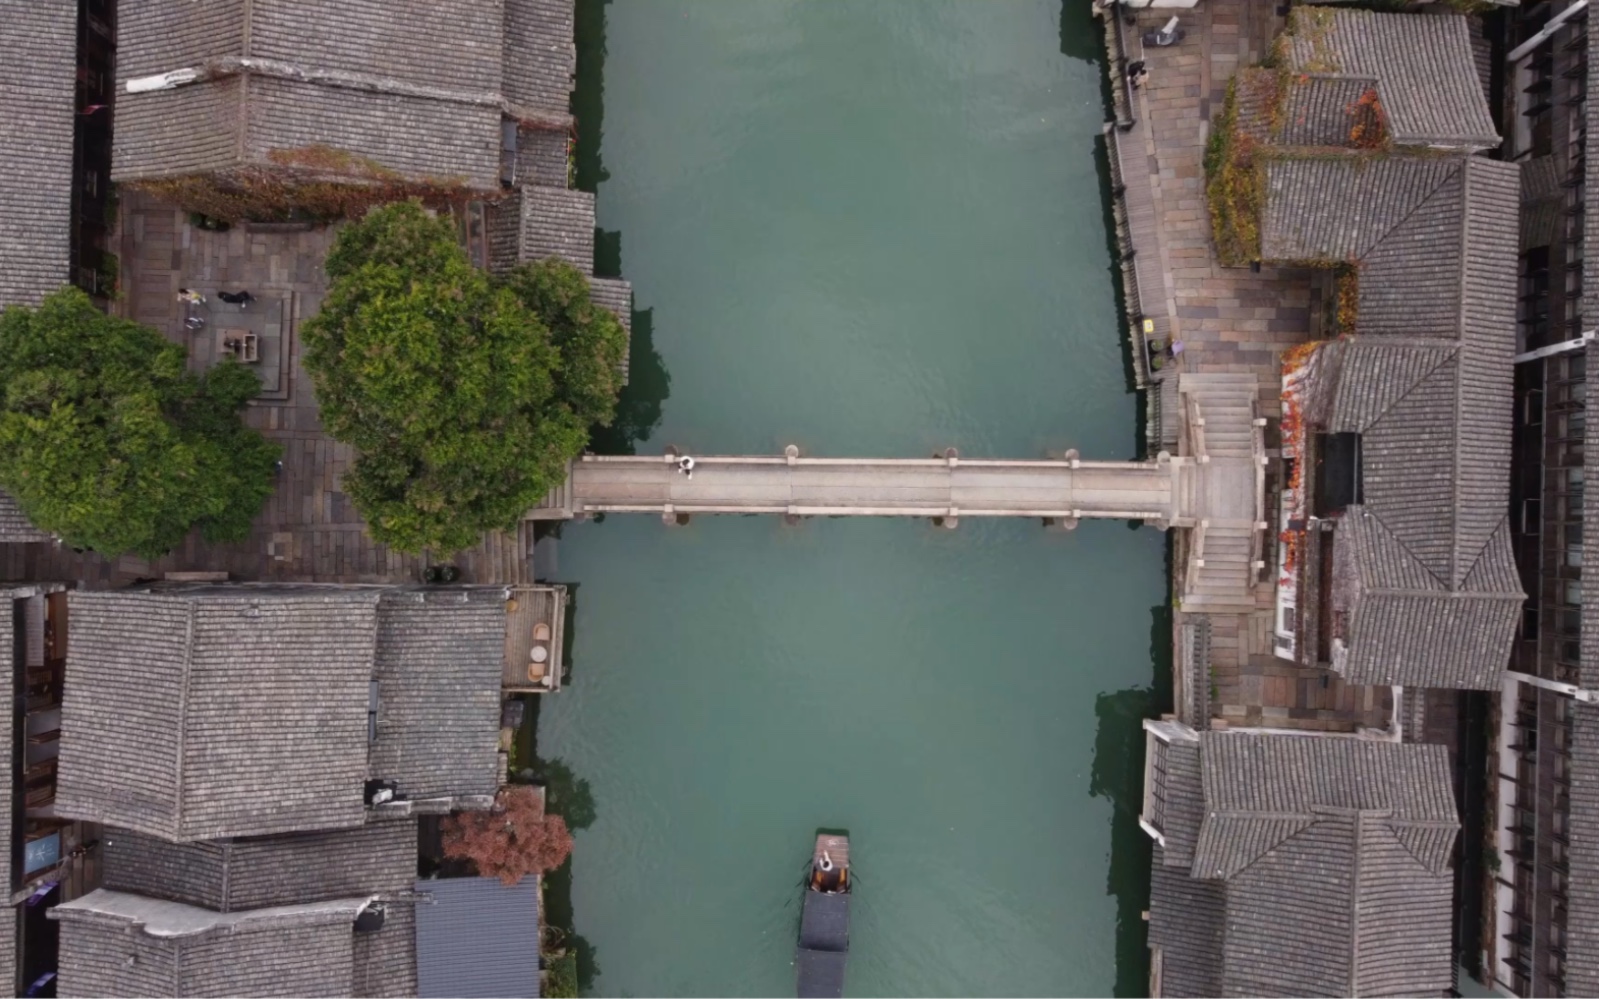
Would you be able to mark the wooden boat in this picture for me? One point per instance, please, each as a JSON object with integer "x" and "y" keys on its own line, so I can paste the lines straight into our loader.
{"x": 824, "y": 922}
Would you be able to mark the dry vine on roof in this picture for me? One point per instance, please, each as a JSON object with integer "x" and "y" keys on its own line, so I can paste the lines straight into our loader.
{"x": 1233, "y": 183}
{"x": 316, "y": 183}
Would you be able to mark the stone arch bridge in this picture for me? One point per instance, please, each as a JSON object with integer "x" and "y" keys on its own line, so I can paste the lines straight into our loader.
{"x": 1214, "y": 489}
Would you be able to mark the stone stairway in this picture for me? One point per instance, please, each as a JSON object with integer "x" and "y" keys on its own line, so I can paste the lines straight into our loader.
{"x": 1224, "y": 442}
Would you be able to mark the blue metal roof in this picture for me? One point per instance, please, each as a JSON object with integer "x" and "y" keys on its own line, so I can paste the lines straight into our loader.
{"x": 477, "y": 939}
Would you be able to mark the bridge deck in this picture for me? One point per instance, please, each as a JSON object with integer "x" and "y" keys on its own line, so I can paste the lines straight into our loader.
{"x": 934, "y": 487}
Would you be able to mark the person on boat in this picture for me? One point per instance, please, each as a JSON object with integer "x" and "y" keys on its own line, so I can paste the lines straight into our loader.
{"x": 685, "y": 465}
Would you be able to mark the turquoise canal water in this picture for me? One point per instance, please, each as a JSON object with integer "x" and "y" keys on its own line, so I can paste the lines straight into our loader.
{"x": 869, "y": 229}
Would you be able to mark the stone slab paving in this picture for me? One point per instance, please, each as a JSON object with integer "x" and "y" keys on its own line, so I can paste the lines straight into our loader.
{"x": 308, "y": 529}
{"x": 1230, "y": 319}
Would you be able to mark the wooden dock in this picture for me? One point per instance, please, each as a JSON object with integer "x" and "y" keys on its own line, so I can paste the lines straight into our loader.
{"x": 537, "y": 620}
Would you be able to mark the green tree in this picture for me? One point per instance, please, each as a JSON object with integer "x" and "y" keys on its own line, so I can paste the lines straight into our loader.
{"x": 108, "y": 441}
{"x": 464, "y": 395}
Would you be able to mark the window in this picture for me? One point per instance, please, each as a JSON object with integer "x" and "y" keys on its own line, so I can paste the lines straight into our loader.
{"x": 1570, "y": 622}
{"x": 1532, "y": 306}
{"x": 508, "y": 137}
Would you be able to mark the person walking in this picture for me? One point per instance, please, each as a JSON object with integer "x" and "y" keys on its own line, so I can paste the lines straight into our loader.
{"x": 685, "y": 465}
{"x": 190, "y": 297}
{"x": 239, "y": 298}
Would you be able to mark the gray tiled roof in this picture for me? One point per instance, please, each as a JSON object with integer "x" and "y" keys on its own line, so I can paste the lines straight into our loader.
{"x": 1407, "y": 628}
{"x": 1330, "y": 858}
{"x": 1582, "y": 832}
{"x": 540, "y": 221}
{"x": 198, "y": 716}
{"x": 14, "y": 524}
{"x": 385, "y": 961}
{"x": 1340, "y": 908}
{"x": 416, "y": 87}
{"x": 1426, "y": 381}
{"x": 1338, "y": 209}
{"x": 1322, "y": 110}
{"x": 1187, "y": 917}
{"x": 1177, "y": 770}
{"x": 440, "y": 656}
{"x": 37, "y": 117}
{"x": 1260, "y": 787}
{"x": 557, "y": 222}
{"x": 1590, "y": 114}
{"x": 8, "y": 721}
{"x": 541, "y": 158}
{"x": 477, "y": 937}
{"x": 1423, "y": 64}
{"x": 250, "y": 880}
{"x": 209, "y": 712}
{"x": 117, "y": 944}
{"x": 261, "y": 872}
{"x": 540, "y": 57}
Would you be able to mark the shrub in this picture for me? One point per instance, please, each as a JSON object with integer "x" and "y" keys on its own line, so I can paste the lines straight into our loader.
{"x": 107, "y": 440}
{"x": 562, "y": 980}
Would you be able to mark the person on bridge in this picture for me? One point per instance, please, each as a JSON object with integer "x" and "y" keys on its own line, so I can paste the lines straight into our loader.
{"x": 685, "y": 465}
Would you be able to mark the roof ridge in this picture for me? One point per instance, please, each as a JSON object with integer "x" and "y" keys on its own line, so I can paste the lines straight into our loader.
{"x": 1431, "y": 193}
{"x": 227, "y": 874}
{"x": 1394, "y": 829}
{"x": 1393, "y": 536}
{"x": 1419, "y": 344}
{"x": 1460, "y": 388}
{"x": 1482, "y": 553}
{"x": 1354, "y": 903}
{"x": 183, "y": 719}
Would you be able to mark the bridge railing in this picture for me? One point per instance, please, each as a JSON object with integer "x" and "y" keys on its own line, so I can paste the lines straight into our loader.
{"x": 1196, "y": 552}
{"x": 1196, "y": 427}
{"x": 1257, "y": 536}
{"x": 781, "y": 460}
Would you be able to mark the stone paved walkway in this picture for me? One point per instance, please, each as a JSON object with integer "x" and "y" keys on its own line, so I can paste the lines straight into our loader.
{"x": 1234, "y": 320}
{"x": 309, "y": 529}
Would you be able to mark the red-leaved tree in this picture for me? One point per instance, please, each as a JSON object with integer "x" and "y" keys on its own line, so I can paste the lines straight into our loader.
{"x": 514, "y": 839}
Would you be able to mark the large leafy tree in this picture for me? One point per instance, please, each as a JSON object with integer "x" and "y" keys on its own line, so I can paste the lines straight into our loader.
{"x": 107, "y": 440}
{"x": 514, "y": 839}
{"x": 463, "y": 394}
